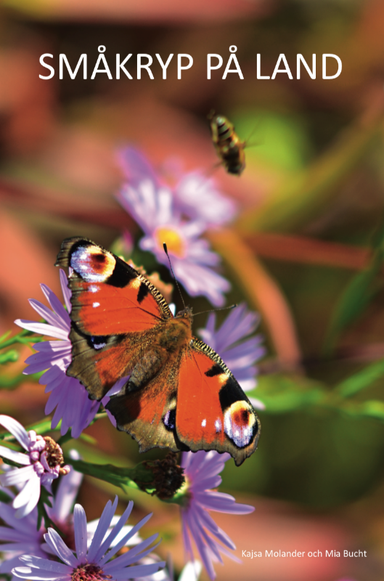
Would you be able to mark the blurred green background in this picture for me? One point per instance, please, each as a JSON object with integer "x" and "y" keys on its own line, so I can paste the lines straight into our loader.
{"x": 310, "y": 214}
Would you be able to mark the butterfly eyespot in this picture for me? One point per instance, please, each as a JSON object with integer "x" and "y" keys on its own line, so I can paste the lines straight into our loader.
{"x": 92, "y": 264}
{"x": 169, "y": 420}
{"x": 240, "y": 423}
{"x": 98, "y": 260}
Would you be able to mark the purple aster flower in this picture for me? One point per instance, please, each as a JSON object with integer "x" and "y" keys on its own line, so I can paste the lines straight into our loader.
{"x": 68, "y": 395}
{"x": 239, "y": 351}
{"x": 136, "y": 166}
{"x": 94, "y": 561}
{"x": 62, "y": 503}
{"x": 199, "y": 199}
{"x": 195, "y": 195}
{"x": 22, "y": 537}
{"x": 41, "y": 464}
{"x": 154, "y": 210}
{"x": 61, "y": 512}
{"x": 201, "y": 470}
{"x": 18, "y": 537}
{"x": 161, "y": 575}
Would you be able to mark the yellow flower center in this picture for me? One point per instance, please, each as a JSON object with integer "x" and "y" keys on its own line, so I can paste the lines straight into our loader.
{"x": 183, "y": 496}
{"x": 175, "y": 244}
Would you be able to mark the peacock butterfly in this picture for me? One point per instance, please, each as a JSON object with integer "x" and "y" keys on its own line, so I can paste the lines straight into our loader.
{"x": 179, "y": 393}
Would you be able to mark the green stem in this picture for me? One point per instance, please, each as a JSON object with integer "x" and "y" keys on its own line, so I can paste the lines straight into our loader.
{"x": 24, "y": 337}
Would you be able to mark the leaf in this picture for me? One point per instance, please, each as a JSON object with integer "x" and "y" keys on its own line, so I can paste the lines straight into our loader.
{"x": 351, "y": 305}
{"x": 282, "y": 394}
{"x": 9, "y": 356}
{"x": 124, "y": 478}
{"x": 273, "y": 139}
{"x": 371, "y": 409}
{"x": 68, "y": 436}
{"x": 358, "y": 294}
{"x": 361, "y": 380}
{"x": 302, "y": 196}
{"x": 4, "y": 337}
{"x": 43, "y": 426}
{"x": 10, "y": 382}
{"x": 21, "y": 337}
{"x": 4, "y": 497}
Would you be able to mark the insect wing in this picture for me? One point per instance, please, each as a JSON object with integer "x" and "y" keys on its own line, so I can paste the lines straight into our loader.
{"x": 115, "y": 312}
{"x": 108, "y": 295}
{"x": 213, "y": 412}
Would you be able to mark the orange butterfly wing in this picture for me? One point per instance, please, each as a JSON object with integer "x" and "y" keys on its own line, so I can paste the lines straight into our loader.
{"x": 144, "y": 414}
{"x": 108, "y": 295}
{"x": 116, "y": 314}
{"x": 213, "y": 412}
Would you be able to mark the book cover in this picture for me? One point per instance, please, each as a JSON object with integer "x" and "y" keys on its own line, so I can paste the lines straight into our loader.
{"x": 246, "y": 136}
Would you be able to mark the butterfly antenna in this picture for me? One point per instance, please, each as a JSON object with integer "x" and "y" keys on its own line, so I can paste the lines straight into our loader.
{"x": 214, "y": 310}
{"x": 173, "y": 274}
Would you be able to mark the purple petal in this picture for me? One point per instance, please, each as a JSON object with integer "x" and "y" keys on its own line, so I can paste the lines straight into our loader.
{"x": 210, "y": 481}
{"x": 42, "y": 329}
{"x": 59, "y": 548}
{"x": 257, "y": 403}
{"x": 28, "y": 498}
{"x": 137, "y": 552}
{"x": 198, "y": 532}
{"x": 56, "y": 348}
{"x": 208, "y": 522}
{"x": 44, "y": 564}
{"x": 18, "y": 476}
{"x": 186, "y": 537}
{"x": 16, "y": 429}
{"x": 136, "y": 571}
{"x": 72, "y": 403}
{"x": 221, "y": 502}
{"x": 200, "y": 280}
{"x": 102, "y": 528}
{"x": 114, "y": 533}
{"x": 135, "y": 166}
{"x": 80, "y": 529}
{"x": 15, "y": 456}
{"x": 66, "y": 493}
{"x": 203, "y": 551}
{"x": 65, "y": 290}
{"x": 57, "y": 307}
{"x": 26, "y": 573}
{"x": 199, "y": 198}
{"x": 55, "y": 380}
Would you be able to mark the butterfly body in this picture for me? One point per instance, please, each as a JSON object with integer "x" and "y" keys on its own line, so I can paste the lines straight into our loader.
{"x": 178, "y": 393}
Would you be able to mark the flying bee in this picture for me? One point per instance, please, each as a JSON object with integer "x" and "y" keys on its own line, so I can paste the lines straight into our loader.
{"x": 228, "y": 145}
